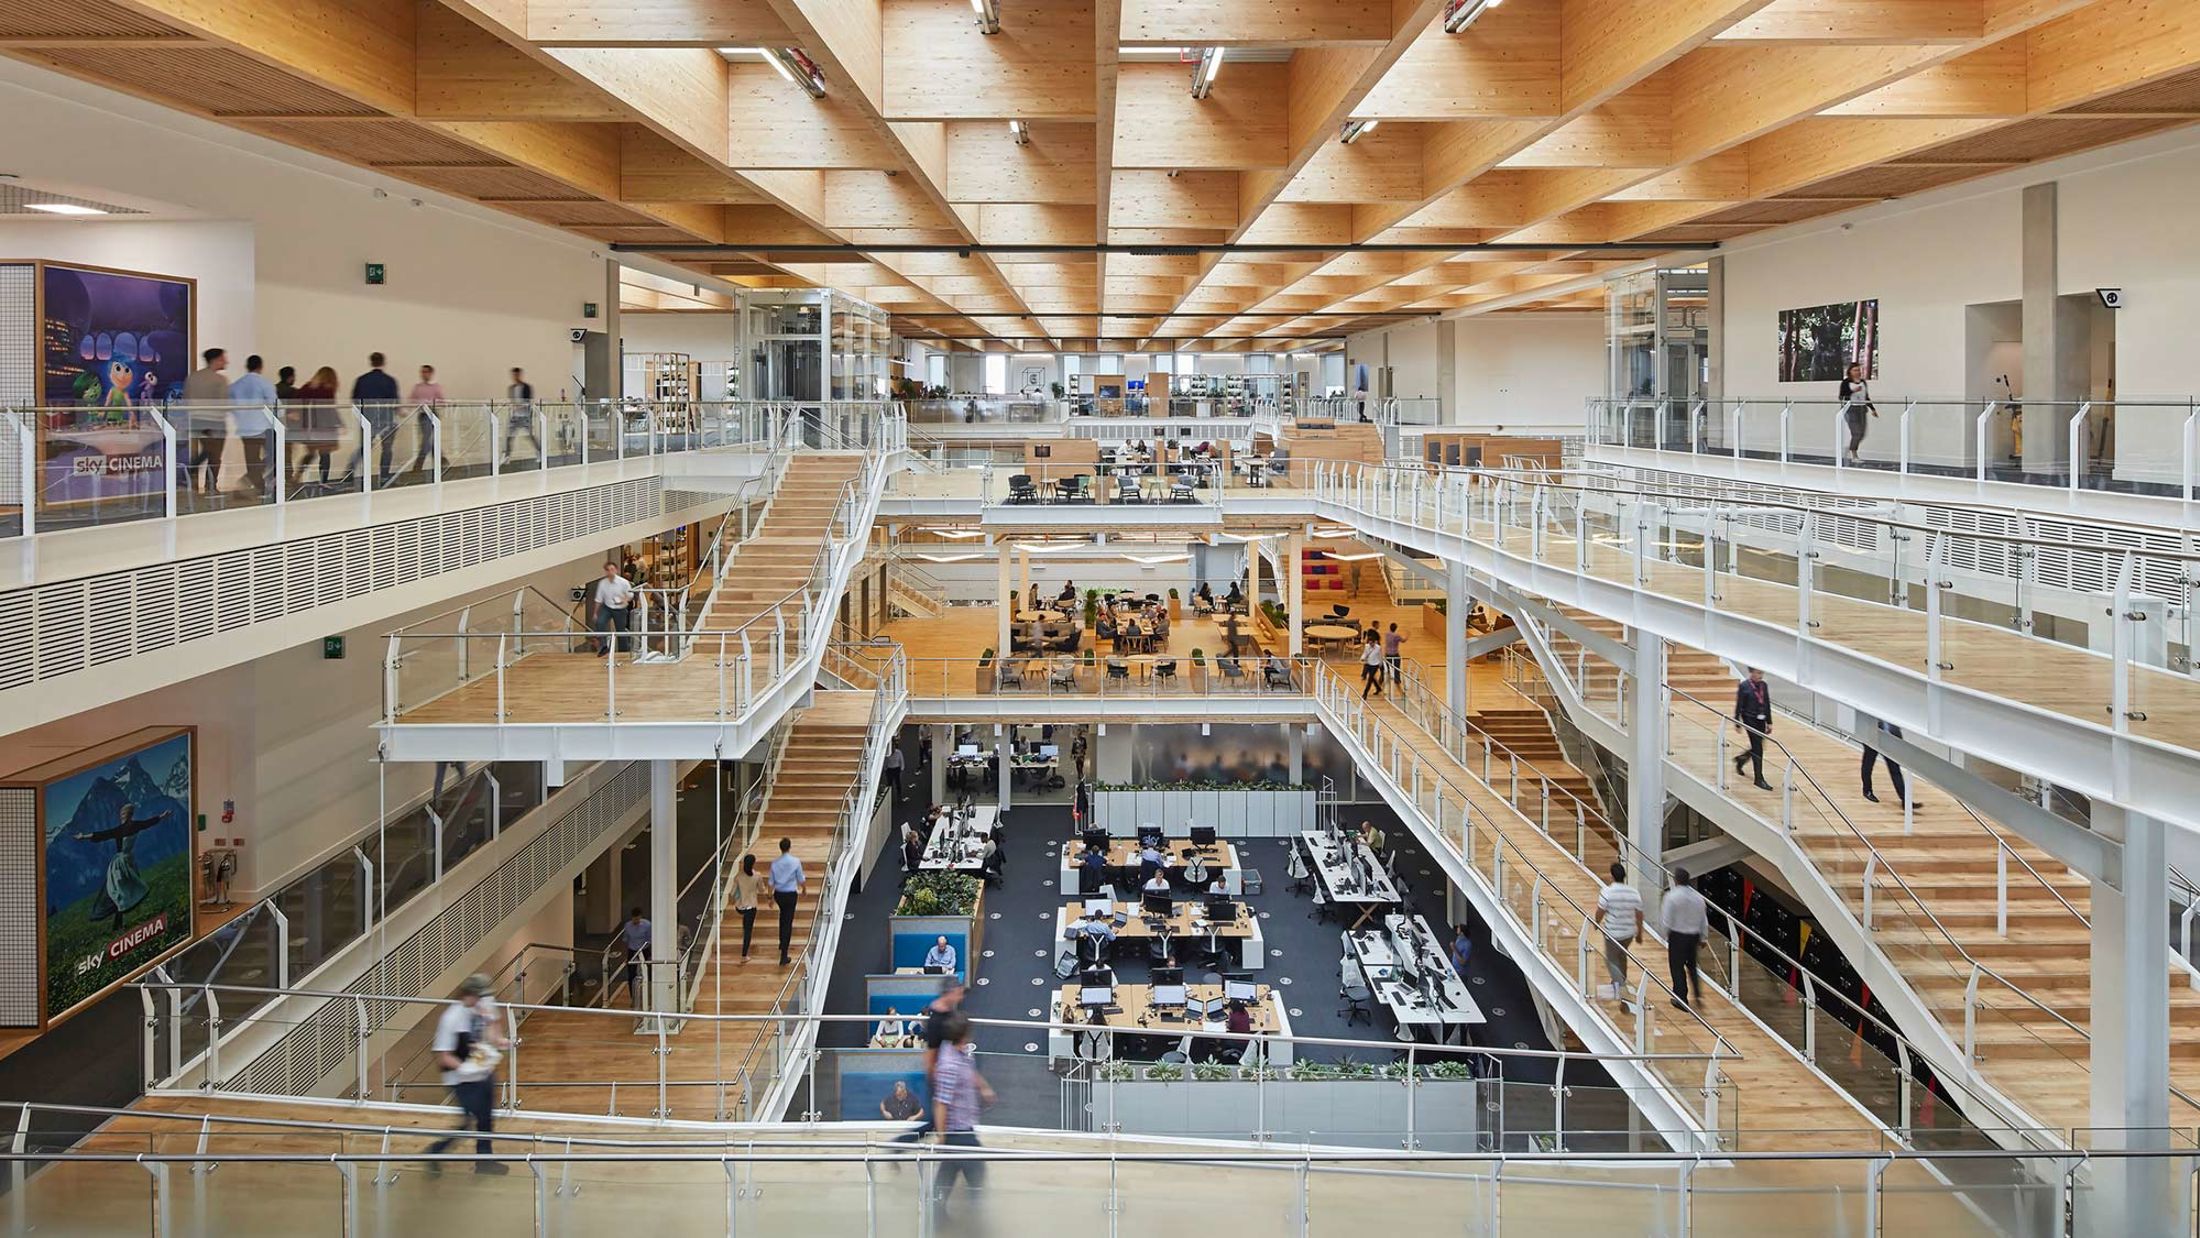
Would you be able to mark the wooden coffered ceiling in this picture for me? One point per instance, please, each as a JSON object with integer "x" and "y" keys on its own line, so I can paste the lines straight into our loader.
{"x": 1506, "y": 159}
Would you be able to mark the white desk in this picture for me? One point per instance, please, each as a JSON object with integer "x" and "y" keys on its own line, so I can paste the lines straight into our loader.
{"x": 1188, "y": 920}
{"x": 1222, "y": 861}
{"x": 1270, "y": 1018}
{"x": 959, "y": 843}
{"x": 1380, "y": 952}
{"x": 1334, "y": 867}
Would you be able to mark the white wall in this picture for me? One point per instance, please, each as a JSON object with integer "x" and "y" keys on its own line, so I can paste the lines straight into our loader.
{"x": 280, "y": 239}
{"x": 1527, "y": 372}
{"x": 2123, "y": 221}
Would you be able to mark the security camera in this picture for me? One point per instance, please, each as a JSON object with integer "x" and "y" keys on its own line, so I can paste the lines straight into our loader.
{"x": 2111, "y": 298}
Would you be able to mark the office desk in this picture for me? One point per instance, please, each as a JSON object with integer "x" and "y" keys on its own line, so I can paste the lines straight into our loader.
{"x": 1187, "y": 920}
{"x": 959, "y": 844}
{"x": 1333, "y": 868}
{"x": 1221, "y": 857}
{"x": 1136, "y": 1002}
{"x": 1380, "y": 952}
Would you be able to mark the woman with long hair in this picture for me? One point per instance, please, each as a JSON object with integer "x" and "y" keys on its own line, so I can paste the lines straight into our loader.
{"x": 316, "y": 423}
{"x": 748, "y": 887}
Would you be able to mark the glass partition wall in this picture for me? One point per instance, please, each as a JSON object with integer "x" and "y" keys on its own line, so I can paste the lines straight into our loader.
{"x": 815, "y": 344}
{"x": 1658, "y": 331}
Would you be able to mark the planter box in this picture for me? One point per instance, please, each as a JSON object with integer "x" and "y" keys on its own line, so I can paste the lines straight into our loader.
{"x": 1352, "y": 1112}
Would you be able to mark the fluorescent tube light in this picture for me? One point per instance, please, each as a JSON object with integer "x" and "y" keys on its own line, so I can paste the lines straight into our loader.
{"x": 1210, "y": 67}
{"x": 1460, "y": 14}
{"x": 62, "y": 208}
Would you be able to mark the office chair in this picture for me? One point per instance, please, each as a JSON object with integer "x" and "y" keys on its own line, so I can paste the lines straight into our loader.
{"x": 1157, "y": 948}
{"x": 1021, "y": 489}
{"x": 1165, "y": 669}
{"x": 1297, "y": 869}
{"x": 1339, "y": 610}
{"x": 1352, "y": 987}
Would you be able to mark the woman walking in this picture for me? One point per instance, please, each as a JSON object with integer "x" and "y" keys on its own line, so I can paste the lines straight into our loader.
{"x": 748, "y": 887}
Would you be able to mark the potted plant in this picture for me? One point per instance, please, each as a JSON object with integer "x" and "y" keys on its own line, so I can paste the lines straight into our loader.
{"x": 1056, "y": 388}
{"x": 988, "y": 675}
{"x": 1199, "y": 659}
{"x": 1176, "y": 607}
{"x": 1092, "y": 610}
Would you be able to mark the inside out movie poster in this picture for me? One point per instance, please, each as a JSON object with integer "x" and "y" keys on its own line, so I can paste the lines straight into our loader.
{"x": 112, "y": 345}
{"x": 118, "y": 868}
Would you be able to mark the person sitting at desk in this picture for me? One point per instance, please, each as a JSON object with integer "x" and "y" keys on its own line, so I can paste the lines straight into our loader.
{"x": 1149, "y": 860}
{"x": 941, "y": 956}
{"x": 1094, "y": 865}
{"x": 900, "y": 1105}
{"x": 1156, "y": 884}
{"x": 1216, "y": 887}
{"x": 1068, "y": 596}
{"x": 1372, "y": 837}
{"x": 1276, "y": 669}
{"x": 1238, "y": 1021}
{"x": 1235, "y": 599}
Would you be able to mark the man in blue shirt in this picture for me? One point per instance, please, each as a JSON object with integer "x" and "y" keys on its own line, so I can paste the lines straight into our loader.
{"x": 1462, "y": 949}
{"x": 253, "y": 429}
{"x": 634, "y": 938}
{"x": 787, "y": 880}
{"x": 941, "y": 956}
{"x": 1095, "y": 865}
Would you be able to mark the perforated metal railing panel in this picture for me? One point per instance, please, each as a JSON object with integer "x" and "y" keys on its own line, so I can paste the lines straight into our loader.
{"x": 51, "y": 630}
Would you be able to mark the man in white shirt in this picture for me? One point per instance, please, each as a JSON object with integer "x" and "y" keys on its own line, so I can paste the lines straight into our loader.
{"x": 941, "y": 955}
{"x": 787, "y": 880}
{"x": 207, "y": 391}
{"x": 614, "y": 602}
{"x": 1619, "y": 914}
{"x": 255, "y": 429}
{"x": 468, "y": 1036}
{"x": 1685, "y": 918}
{"x": 1156, "y": 884}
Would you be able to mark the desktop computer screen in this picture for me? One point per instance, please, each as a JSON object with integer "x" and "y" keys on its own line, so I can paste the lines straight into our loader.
{"x": 1095, "y": 995}
{"x": 1221, "y": 910}
{"x": 1169, "y": 995}
{"x": 1203, "y": 836}
{"x": 1050, "y": 751}
{"x": 966, "y": 750}
{"x": 1095, "y": 837}
{"x": 1156, "y": 903}
{"x": 1099, "y": 907}
{"x": 1239, "y": 989}
{"x": 1166, "y": 975}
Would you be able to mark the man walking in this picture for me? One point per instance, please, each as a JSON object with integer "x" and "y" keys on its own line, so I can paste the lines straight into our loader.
{"x": 254, "y": 391}
{"x": 1685, "y": 918}
{"x": 614, "y": 601}
{"x": 893, "y": 767}
{"x": 424, "y": 397}
{"x": 374, "y": 394}
{"x": 634, "y": 937}
{"x": 1619, "y": 914}
{"x": 1753, "y": 716}
{"x": 933, "y": 1032}
{"x": 469, "y": 1038}
{"x": 1393, "y": 643}
{"x": 205, "y": 391}
{"x": 1894, "y": 770}
{"x": 958, "y": 1091}
{"x": 521, "y": 416}
{"x": 787, "y": 880}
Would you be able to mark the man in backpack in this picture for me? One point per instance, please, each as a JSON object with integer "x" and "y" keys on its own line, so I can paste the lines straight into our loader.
{"x": 469, "y": 1038}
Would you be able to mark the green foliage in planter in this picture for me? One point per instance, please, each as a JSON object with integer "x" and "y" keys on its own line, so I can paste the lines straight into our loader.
{"x": 1211, "y": 1071}
{"x": 1115, "y": 1072}
{"x": 986, "y": 658}
{"x": 1199, "y": 656}
{"x": 1172, "y": 595}
{"x": 1448, "y": 1070}
{"x": 938, "y": 894}
{"x": 1164, "y": 1072}
{"x": 1092, "y": 608}
{"x": 1091, "y": 656}
{"x": 1276, "y": 614}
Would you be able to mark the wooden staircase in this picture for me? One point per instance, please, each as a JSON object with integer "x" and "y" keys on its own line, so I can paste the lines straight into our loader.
{"x": 779, "y": 559}
{"x": 705, "y": 1060}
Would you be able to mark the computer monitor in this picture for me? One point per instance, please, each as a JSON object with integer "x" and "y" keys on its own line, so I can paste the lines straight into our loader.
{"x": 1095, "y": 976}
{"x": 1169, "y": 994}
{"x": 1050, "y": 751}
{"x": 935, "y": 969}
{"x": 966, "y": 750}
{"x": 1166, "y": 975}
{"x": 1203, "y": 836}
{"x": 1239, "y": 989}
{"x": 1156, "y": 902}
{"x": 1095, "y": 837}
{"x": 1093, "y": 996}
{"x": 1221, "y": 907}
{"x": 1149, "y": 833}
{"x": 1099, "y": 906}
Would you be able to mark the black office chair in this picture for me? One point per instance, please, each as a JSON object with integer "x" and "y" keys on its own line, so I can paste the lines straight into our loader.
{"x": 1165, "y": 669}
{"x": 1021, "y": 489}
{"x": 1339, "y": 611}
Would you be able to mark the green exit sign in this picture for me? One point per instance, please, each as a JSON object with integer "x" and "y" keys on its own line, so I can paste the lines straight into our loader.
{"x": 375, "y": 273}
{"x": 332, "y": 647}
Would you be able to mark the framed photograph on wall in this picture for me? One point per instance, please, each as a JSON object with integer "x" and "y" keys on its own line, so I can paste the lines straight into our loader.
{"x": 1818, "y": 343}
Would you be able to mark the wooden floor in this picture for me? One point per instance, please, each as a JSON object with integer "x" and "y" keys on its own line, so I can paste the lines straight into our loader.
{"x": 783, "y": 1194}
{"x": 1933, "y": 894}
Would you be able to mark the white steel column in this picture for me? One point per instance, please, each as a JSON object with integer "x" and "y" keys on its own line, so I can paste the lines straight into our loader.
{"x": 2130, "y": 1028}
{"x": 1457, "y": 603}
{"x": 1295, "y": 590}
{"x": 1252, "y": 581}
{"x": 1646, "y": 763}
{"x": 943, "y": 747}
{"x": 1004, "y": 750}
{"x": 664, "y": 884}
{"x": 1000, "y": 602}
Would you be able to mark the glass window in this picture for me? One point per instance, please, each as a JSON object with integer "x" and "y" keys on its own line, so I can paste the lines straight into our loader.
{"x": 1160, "y": 364}
{"x": 1186, "y": 363}
{"x": 1072, "y": 366}
{"x": 935, "y": 369}
{"x": 996, "y": 373}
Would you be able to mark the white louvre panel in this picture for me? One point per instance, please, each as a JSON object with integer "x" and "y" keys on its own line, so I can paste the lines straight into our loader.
{"x": 2159, "y": 574}
{"x": 19, "y": 909}
{"x": 18, "y": 367}
{"x": 321, "y": 1043}
{"x": 53, "y": 630}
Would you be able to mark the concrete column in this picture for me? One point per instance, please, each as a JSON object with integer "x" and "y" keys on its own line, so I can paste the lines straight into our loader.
{"x": 1000, "y": 602}
{"x": 1295, "y": 590}
{"x": 943, "y": 747}
{"x": 2046, "y": 428}
{"x": 1457, "y": 601}
{"x": 1646, "y": 763}
{"x": 2130, "y": 1027}
{"x": 664, "y": 883}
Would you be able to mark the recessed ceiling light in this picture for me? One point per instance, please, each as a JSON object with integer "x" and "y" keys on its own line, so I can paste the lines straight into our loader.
{"x": 62, "y": 208}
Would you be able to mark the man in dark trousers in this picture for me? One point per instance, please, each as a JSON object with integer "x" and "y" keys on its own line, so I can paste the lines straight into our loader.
{"x": 1894, "y": 771}
{"x": 1753, "y": 714}
{"x": 374, "y": 394}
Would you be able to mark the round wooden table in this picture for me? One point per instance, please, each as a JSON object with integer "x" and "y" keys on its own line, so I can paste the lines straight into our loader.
{"x": 1327, "y": 633}
{"x": 1038, "y": 616}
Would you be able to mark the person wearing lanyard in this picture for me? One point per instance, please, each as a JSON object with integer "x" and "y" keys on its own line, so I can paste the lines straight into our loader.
{"x": 787, "y": 880}
{"x": 614, "y": 609}
{"x": 634, "y": 936}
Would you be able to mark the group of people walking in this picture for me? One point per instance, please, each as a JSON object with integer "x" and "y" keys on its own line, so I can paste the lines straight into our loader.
{"x": 315, "y": 423}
